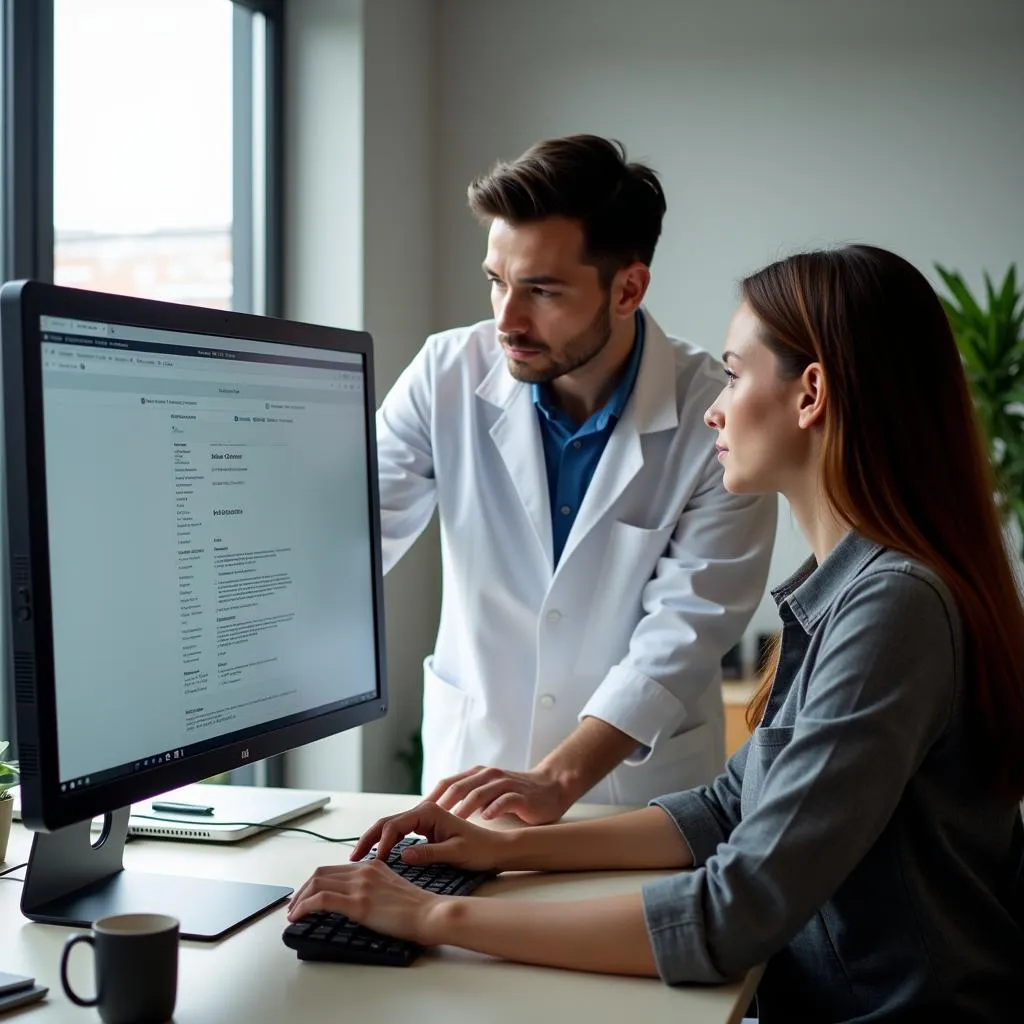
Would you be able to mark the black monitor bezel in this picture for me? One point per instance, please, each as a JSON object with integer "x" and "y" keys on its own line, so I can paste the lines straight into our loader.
{"x": 31, "y": 660}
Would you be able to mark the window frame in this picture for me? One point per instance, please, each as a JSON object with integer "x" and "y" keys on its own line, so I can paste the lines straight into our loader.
{"x": 253, "y": 247}
{"x": 28, "y": 140}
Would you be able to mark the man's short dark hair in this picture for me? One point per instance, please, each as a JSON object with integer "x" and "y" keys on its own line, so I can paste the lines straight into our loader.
{"x": 585, "y": 178}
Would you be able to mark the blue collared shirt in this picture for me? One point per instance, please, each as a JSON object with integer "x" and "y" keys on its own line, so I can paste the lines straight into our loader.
{"x": 572, "y": 451}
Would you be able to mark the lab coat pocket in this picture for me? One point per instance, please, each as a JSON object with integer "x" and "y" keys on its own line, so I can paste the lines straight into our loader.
{"x": 765, "y": 746}
{"x": 445, "y": 714}
{"x": 630, "y": 559}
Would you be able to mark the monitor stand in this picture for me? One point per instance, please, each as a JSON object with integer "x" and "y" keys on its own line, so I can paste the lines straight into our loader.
{"x": 72, "y": 880}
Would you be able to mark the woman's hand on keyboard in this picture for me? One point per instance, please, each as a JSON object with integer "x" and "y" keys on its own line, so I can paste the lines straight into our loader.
{"x": 450, "y": 840}
{"x": 371, "y": 894}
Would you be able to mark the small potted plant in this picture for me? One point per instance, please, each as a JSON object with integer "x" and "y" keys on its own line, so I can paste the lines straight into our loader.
{"x": 8, "y": 778}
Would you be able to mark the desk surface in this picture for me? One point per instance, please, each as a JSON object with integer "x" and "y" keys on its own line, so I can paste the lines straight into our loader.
{"x": 252, "y": 976}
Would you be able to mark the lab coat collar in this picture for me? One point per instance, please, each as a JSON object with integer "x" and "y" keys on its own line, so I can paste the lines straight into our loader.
{"x": 654, "y": 396}
{"x": 516, "y": 434}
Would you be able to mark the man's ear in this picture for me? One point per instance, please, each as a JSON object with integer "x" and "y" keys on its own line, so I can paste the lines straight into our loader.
{"x": 813, "y": 395}
{"x": 629, "y": 287}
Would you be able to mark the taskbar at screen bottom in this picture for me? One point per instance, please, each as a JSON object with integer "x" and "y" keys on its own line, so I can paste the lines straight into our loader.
{"x": 145, "y": 764}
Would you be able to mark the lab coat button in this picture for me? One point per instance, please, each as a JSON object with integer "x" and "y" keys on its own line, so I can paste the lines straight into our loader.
{"x": 547, "y": 701}
{"x": 554, "y": 616}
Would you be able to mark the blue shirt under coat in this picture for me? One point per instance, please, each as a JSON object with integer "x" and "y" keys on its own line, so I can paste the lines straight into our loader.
{"x": 572, "y": 451}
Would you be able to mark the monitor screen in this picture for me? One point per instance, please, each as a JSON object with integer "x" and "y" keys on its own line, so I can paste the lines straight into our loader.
{"x": 193, "y": 541}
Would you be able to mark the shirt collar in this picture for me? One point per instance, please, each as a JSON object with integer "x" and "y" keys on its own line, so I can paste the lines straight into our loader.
{"x": 542, "y": 397}
{"x": 813, "y": 588}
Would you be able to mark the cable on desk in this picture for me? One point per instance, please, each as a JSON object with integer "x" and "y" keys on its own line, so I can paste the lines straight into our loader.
{"x": 350, "y": 840}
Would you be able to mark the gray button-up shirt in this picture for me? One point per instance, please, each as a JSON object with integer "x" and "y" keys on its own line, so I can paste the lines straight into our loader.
{"x": 850, "y": 843}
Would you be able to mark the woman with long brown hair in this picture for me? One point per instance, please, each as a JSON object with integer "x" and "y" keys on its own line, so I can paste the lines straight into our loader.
{"x": 866, "y": 842}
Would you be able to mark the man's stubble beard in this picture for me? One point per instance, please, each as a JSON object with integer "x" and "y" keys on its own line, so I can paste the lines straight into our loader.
{"x": 579, "y": 351}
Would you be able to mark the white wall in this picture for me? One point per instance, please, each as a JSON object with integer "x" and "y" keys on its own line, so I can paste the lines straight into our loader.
{"x": 775, "y": 125}
{"x": 322, "y": 238}
{"x": 398, "y": 295}
{"x": 358, "y": 253}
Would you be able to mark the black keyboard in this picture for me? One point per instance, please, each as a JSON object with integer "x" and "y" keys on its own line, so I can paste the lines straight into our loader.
{"x": 327, "y": 936}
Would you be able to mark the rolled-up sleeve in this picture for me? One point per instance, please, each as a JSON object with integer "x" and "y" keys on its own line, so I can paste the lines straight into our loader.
{"x": 706, "y": 815}
{"x": 879, "y": 696}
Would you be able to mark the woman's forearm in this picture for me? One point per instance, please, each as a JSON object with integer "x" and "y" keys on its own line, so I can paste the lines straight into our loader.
{"x": 606, "y": 936}
{"x": 641, "y": 839}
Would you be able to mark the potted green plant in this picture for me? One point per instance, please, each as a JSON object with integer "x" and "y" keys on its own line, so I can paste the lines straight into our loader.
{"x": 990, "y": 337}
{"x": 8, "y": 778}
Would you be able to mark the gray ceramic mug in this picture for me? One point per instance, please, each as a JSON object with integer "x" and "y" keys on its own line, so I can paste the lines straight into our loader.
{"x": 136, "y": 961}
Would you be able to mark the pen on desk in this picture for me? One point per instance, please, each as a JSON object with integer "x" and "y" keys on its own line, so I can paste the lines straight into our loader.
{"x": 167, "y": 806}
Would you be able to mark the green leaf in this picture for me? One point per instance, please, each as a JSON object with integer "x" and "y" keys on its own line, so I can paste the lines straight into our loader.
{"x": 990, "y": 295}
{"x": 969, "y": 308}
{"x": 990, "y": 340}
{"x": 1008, "y": 296}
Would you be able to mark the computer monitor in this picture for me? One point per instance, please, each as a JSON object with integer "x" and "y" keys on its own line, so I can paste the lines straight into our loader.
{"x": 195, "y": 571}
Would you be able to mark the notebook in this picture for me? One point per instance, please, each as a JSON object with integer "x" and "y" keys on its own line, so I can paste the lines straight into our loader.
{"x": 238, "y": 812}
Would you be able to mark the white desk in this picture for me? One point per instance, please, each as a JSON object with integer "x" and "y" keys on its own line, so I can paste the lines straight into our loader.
{"x": 252, "y": 976}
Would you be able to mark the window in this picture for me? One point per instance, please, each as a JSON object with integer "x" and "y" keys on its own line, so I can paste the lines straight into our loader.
{"x": 153, "y": 108}
{"x": 141, "y": 153}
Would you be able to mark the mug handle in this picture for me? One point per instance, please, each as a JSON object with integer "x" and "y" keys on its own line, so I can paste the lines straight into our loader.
{"x": 68, "y": 991}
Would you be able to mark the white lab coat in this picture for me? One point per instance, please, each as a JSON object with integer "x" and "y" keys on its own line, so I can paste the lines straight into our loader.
{"x": 658, "y": 578}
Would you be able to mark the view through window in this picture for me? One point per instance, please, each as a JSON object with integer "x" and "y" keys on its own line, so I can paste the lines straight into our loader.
{"x": 159, "y": 156}
{"x": 143, "y": 104}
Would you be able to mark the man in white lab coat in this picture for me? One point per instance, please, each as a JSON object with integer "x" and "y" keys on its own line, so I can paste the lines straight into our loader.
{"x": 594, "y": 568}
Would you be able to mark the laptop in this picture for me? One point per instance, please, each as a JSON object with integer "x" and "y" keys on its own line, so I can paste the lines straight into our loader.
{"x": 238, "y": 812}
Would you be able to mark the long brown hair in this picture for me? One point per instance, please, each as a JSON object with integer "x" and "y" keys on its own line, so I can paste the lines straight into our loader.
{"x": 902, "y": 457}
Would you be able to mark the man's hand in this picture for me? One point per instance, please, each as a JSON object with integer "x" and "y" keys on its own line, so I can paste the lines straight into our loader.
{"x": 542, "y": 794}
{"x": 536, "y": 797}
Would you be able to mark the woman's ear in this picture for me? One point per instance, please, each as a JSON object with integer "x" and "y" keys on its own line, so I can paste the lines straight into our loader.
{"x": 813, "y": 395}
